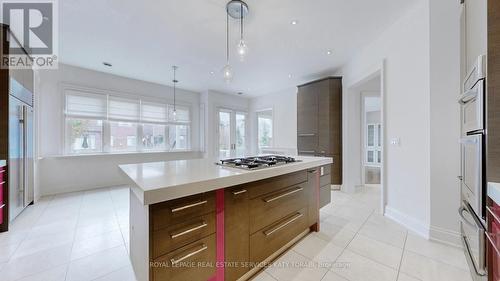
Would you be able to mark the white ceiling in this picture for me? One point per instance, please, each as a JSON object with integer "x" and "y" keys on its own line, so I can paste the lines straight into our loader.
{"x": 143, "y": 39}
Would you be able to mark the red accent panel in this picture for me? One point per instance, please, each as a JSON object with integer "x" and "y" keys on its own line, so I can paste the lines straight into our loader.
{"x": 219, "y": 202}
{"x": 2, "y": 186}
{"x": 317, "y": 195}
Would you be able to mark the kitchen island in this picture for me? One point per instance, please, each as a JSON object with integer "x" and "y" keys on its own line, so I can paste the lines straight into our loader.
{"x": 195, "y": 220}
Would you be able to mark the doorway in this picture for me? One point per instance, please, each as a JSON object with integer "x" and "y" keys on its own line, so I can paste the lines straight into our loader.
{"x": 232, "y": 130}
{"x": 371, "y": 129}
{"x": 364, "y": 136}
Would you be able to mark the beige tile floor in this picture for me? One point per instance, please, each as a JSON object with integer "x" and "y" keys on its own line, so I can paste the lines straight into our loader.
{"x": 84, "y": 236}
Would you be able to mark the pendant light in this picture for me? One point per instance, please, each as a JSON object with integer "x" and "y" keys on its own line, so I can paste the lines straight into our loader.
{"x": 175, "y": 81}
{"x": 242, "y": 47}
{"x": 237, "y": 9}
{"x": 227, "y": 71}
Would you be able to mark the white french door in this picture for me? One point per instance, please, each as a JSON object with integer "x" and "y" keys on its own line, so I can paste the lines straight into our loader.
{"x": 232, "y": 133}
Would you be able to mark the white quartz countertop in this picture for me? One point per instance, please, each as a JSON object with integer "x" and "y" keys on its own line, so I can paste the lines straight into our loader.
{"x": 161, "y": 181}
{"x": 494, "y": 191}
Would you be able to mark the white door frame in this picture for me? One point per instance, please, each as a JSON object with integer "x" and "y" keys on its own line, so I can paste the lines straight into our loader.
{"x": 360, "y": 78}
{"x": 232, "y": 134}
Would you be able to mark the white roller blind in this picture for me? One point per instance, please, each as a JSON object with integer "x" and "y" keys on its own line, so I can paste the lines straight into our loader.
{"x": 79, "y": 103}
{"x": 123, "y": 109}
{"x": 183, "y": 114}
{"x": 154, "y": 112}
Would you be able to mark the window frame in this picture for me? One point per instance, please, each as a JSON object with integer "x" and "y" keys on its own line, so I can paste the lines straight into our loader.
{"x": 257, "y": 113}
{"x": 106, "y": 122}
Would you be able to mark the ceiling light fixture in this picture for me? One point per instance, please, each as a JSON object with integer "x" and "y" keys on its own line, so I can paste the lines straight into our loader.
{"x": 294, "y": 22}
{"x": 329, "y": 52}
{"x": 236, "y": 9}
{"x": 227, "y": 71}
{"x": 242, "y": 47}
{"x": 290, "y": 75}
{"x": 175, "y": 81}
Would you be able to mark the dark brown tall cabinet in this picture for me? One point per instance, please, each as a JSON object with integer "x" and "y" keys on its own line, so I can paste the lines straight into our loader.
{"x": 319, "y": 122}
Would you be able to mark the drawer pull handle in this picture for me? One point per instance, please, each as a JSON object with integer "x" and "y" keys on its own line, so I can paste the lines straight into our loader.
{"x": 189, "y": 230}
{"x": 294, "y": 218}
{"x": 189, "y": 206}
{"x": 493, "y": 214}
{"x": 175, "y": 261}
{"x": 268, "y": 200}
{"x": 239, "y": 192}
{"x": 493, "y": 243}
{"x": 307, "y": 135}
{"x": 307, "y": 151}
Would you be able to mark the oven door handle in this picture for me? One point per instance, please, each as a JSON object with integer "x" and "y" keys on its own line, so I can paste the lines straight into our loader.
{"x": 461, "y": 211}
{"x": 467, "y": 96}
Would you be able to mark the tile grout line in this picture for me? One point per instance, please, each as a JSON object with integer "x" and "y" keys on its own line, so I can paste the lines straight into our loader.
{"x": 402, "y": 255}
{"x": 350, "y": 241}
{"x": 74, "y": 235}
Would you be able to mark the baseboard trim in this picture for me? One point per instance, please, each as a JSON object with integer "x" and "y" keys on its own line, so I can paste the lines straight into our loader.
{"x": 446, "y": 236}
{"x": 409, "y": 222}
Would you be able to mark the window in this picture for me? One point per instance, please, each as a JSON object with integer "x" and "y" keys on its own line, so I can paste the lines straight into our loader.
{"x": 106, "y": 123}
{"x": 265, "y": 129}
{"x": 374, "y": 144}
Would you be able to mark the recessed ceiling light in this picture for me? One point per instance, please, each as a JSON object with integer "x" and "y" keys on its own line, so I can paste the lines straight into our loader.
{"x": 329, "y": 52}
{"x": 290, "y": 75}
{"x": 240, "y": 93}
{"x": 107, "y": 64}
{"x": 212, "y": 72}
{"x": 294, "y": 22}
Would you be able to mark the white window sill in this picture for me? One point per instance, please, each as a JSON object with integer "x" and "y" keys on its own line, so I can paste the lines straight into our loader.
{"x": 109, "y": 154}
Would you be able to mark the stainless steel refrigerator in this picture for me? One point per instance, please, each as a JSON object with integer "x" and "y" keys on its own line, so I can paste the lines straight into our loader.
{"x": 21, "y": 153}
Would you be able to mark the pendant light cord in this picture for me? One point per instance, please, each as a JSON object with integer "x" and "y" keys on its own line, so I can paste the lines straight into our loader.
{"x": 241, "y": 21}
{"x": 227, "y": 37}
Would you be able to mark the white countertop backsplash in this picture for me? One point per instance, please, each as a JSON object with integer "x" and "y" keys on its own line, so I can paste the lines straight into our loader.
{"x": 161, "y": 181}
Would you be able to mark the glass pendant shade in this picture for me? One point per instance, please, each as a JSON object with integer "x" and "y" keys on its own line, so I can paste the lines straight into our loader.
{"x": 227, "y": 72}
{"x": 242, "y": 49}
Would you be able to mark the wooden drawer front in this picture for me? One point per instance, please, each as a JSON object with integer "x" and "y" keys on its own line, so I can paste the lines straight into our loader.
{"x": 181, "y": 234}
{"x": 325, "y": 180}
{"x": 179, "y": 210}
{"x": 272, "y": 207}
{"x": 195, "y": 261}
{"x": 262, "y": 187}
{"x": 324, "y": 196}
{"x": 267, "y": 241}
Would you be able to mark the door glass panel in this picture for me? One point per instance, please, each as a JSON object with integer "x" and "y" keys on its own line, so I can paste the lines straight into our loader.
{"x": 224, "y": 134}
{"x": 265, "y": 130}
{"x": 371, "y": 135}
{"x": 240, "y": 135}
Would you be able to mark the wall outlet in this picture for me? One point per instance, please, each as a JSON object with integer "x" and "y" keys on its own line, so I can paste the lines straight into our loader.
{"x": 395, "y": 141}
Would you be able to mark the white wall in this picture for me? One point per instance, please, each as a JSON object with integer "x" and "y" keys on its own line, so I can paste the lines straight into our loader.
{"x": 62, "y": 174}
{"x": 284, "y": 106}
{"x": 215, "y": 100}
{"x": 403, "y": 49}
{"x": 444, "y": 122}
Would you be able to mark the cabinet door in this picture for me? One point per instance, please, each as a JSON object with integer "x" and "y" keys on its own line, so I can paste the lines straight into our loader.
{"x": 237, "y": 232}
{"x": 307, "y": 110}
{"x": 337, "y": 169}
{"x": 475, "y": 30}
{"x": 336, "y": 116}
{"x": 325, "y": 104}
